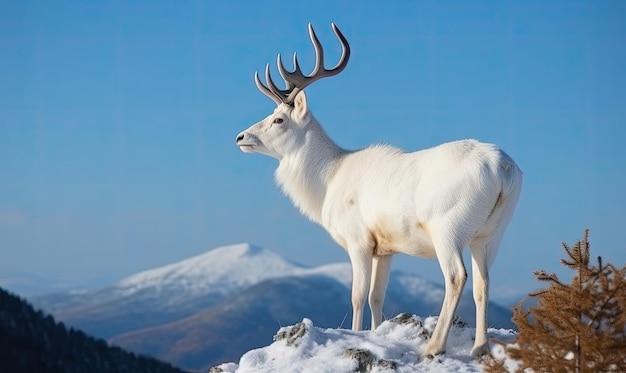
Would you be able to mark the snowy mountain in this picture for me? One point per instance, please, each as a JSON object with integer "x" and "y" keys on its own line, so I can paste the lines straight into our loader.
{"x": 219, "y": 271}
{"x": 214, "y": 273}
{"x": 167, "y": 293}
{"x": 214, "y": 307}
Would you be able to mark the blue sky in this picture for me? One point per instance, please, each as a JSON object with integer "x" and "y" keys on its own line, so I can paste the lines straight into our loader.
{"x": 118, "y": 121}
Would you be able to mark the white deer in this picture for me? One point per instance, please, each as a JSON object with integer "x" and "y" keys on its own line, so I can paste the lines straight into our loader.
{"x": 380, "y": 201}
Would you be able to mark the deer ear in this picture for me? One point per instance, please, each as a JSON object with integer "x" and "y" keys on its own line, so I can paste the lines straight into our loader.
{"x": 301, "y": 108}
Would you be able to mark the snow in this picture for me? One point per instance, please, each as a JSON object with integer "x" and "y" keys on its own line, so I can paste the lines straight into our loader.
{"x": 499, "y": 353}
{"x": 395, "y": 346}
{"x": 225, "y": 268}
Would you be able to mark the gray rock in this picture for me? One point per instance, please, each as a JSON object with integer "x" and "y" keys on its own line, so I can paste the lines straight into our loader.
{"x": 367, "y": 361}
{"x": 292, "y": 334}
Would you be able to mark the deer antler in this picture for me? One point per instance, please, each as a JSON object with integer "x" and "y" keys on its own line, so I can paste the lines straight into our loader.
{"x": 295, "y": 80}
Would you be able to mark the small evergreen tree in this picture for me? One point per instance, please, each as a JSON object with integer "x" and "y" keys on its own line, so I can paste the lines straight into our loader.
{"x": 577, "y": 327}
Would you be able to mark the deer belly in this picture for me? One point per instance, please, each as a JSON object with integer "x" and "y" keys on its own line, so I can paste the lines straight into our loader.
{"x": 415, "y": 241}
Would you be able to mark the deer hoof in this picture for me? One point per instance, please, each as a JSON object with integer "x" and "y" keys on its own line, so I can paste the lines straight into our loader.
{"x": 430, "y": 353}
{"x": 479, "y": 351}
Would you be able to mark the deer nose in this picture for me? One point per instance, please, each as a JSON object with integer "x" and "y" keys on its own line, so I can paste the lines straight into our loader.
{"x": 240, "y": 137}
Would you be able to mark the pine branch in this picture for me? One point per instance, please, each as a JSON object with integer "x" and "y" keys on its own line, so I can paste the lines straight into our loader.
{"x": 610, "y": 297}
{"x": 586, "y": 317}
{"x": 549, "y": 277}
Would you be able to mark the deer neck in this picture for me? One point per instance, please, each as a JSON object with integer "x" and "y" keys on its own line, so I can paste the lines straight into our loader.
{"x": 304, "y": 175}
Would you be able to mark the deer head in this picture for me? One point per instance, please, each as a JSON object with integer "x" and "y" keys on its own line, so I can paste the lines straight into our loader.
{"x": 284, "y": 131}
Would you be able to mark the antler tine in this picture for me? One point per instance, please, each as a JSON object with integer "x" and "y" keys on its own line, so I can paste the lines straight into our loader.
{"x": 282, "y": 94}
{"x": 300, "y": 81}
{"x": 266, "y": 90}
{"x": 294, "y": 77}
{"x": 277, "y": 95}
{"x": 295, "y": 80}
{"x": 296, "y": 65}
{"x": 345, "y": 50}
{"x": 319, "y": 52}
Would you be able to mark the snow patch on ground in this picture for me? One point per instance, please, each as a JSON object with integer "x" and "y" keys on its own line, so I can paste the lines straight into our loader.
{"x": 394, "y": 347}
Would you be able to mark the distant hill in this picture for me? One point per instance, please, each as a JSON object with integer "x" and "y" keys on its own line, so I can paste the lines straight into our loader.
{"x": 31, "y": 341}
{"x": 214, "y": 307}
{"x": 167, "y": 293}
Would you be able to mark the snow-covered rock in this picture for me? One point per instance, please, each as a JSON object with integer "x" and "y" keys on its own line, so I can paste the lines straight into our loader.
{"x": 395, "y": 346}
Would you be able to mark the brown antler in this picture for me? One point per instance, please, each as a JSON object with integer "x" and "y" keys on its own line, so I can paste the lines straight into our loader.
{"x": 295, "y": 80}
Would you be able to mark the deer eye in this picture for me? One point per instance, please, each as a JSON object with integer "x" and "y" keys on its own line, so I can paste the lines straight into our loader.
{"x": 278, "y": 120}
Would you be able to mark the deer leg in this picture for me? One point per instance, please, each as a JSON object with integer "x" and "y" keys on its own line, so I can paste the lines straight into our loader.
{"x": 483, "y": 253}
{"x": 381, "y": 265}
{"x": 361, "y": 276}
{"x": 451, "y": 262}
{"x": 480, "y": 285}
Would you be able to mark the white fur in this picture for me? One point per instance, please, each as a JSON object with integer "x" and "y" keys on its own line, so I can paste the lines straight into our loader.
{"x": 380, "y": 201}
